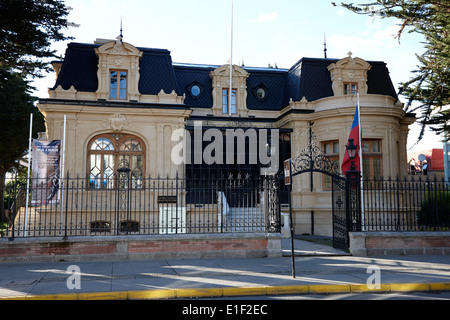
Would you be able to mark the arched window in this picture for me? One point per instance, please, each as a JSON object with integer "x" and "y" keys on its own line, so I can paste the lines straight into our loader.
{"x": 109, "y": 152}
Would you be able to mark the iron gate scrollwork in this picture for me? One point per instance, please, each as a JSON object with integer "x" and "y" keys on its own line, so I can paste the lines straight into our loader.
{"x": 354, "y": 201}
{"x": 312, "y": 159}
{"x": 346, "y": 195}
{"x": 346, "y": 198}
{"x": 273, "y": 204}
{"x": 339, "y": 213}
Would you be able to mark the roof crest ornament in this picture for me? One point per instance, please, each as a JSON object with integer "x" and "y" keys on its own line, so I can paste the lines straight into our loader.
{"x": 120, "y": 36}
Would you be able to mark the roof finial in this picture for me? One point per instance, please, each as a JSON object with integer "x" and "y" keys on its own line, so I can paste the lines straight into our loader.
{"x": 120, "y": 37}
{"x": 121, "y": 30}
{"x": 325, "y": 45}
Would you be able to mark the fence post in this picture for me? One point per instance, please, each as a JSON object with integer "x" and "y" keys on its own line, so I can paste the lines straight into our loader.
{"x": 66, "y": 185}
{"x": 353, "y": 201}
{"x": 123, "y": 189}
{"x": 13, "y": 217}
{"x": 273, "y": 221}
{"x": 398, "y": 203}
{"x": 436, "y": 206}
{"x": 176, "y": 204}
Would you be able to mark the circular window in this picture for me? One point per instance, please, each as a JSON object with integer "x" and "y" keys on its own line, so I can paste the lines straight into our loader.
{"x": 261, "y": 93}
{"x": 195, "y": 90}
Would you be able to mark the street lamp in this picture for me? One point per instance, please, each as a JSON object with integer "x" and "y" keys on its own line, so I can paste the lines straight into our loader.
{"x": 354, "y": 182}
{"x": 351, "y": 151}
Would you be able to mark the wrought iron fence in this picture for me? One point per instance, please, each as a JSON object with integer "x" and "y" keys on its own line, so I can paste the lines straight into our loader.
{"x": 406, "y": 204}
{"x": 122, "y": 205}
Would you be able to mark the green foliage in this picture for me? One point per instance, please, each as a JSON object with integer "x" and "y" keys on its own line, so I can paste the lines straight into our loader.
{"x": 27, "y": 29}
{"x": 11, "y": 190}
{"x": 16, "y": 105}
{"x": 435, "y": 211}
{"x": 430, "y": 85}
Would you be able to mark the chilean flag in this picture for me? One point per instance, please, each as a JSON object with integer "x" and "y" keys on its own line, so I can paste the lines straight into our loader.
{"x": 355, "y": 134}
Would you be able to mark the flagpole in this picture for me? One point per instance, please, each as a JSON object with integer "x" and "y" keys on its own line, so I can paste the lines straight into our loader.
{"x": 28, "y": 176}
{"x": 61, "y": 183}
{"x": 361, "y": 164}
{"x": 230, "y": 90}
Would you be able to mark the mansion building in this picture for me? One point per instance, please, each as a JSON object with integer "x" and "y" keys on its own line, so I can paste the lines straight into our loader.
{"x": 123, "y": 103}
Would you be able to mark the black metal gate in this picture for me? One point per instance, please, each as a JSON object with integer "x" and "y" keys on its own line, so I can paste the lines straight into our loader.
{"x": 340, "y": 213}
{"x": 346, "y": 202}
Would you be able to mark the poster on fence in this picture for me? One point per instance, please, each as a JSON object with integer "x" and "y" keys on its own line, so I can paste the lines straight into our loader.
{"x": 45, "y": 176}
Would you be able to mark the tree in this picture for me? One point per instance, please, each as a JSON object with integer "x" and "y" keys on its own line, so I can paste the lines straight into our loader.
{"x": 16, "y": 105}
{"x": 27, "y": 29}
{"x": 429, "y": 86}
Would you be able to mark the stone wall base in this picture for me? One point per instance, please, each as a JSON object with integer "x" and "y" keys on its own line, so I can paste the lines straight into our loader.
{"x": 399, "y": 243}
{"x": 180, "y": 246}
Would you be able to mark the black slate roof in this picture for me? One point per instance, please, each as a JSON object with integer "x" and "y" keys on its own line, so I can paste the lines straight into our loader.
{"x": 79, "y": 68}
{"x": 308, "y": 78}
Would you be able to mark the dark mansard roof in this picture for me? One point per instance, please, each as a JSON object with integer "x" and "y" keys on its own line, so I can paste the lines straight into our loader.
{"x": 308, "y": 78}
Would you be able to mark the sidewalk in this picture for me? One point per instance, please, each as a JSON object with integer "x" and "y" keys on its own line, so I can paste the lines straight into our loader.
{"x": 319, "y": 269}
{"x": 310, "y": 247}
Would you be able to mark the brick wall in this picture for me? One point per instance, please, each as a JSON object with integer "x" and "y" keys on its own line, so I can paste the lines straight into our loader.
{"x": 141, "y": 247}
{"x": 399, "y": 243}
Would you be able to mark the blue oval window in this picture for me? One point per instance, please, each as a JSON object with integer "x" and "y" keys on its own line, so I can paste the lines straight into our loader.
{"x": 261, "y": 93}
{"x": 195, "y": 90}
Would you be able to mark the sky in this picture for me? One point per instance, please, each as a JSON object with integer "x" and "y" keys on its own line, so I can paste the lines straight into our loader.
{"x": 264, "y": 32}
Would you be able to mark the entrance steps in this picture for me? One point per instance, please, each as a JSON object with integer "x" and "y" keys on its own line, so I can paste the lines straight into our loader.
{"x": 249, "y": 219}
{"x": 33, "y": 218}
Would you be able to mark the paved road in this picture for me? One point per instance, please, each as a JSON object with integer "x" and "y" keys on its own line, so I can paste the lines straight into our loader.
{"x": 317, "y": 271}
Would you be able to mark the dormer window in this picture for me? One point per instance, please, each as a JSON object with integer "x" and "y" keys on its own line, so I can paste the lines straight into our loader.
{"x": 118, "y": 85}
{"x": 350, "y": 88}
{"x": 118, "y": 71}
{"x": 349, "y": 76}
{"x": 221, "y": 95}
{"x": 225, "y": 104}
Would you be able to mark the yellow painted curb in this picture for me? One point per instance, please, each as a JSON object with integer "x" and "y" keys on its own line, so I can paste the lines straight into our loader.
{"x": 409, "y": 287}
{"x": 159, "y": 294}
{"x": 244, "y": 291}
{"x": 286, "y": 290}
{"x": 363, "y": 288}
{"x": 152, "y": 294}
{"x": 445, "y": 286}
{"x": 200, "y": 292}
{"x": 66, "y": 296}
{"x": 119, "y": 295}
{"x": 331, "y": 288}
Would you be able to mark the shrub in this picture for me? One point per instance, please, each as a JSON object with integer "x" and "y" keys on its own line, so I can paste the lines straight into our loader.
{"x": 435, "y": 211}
